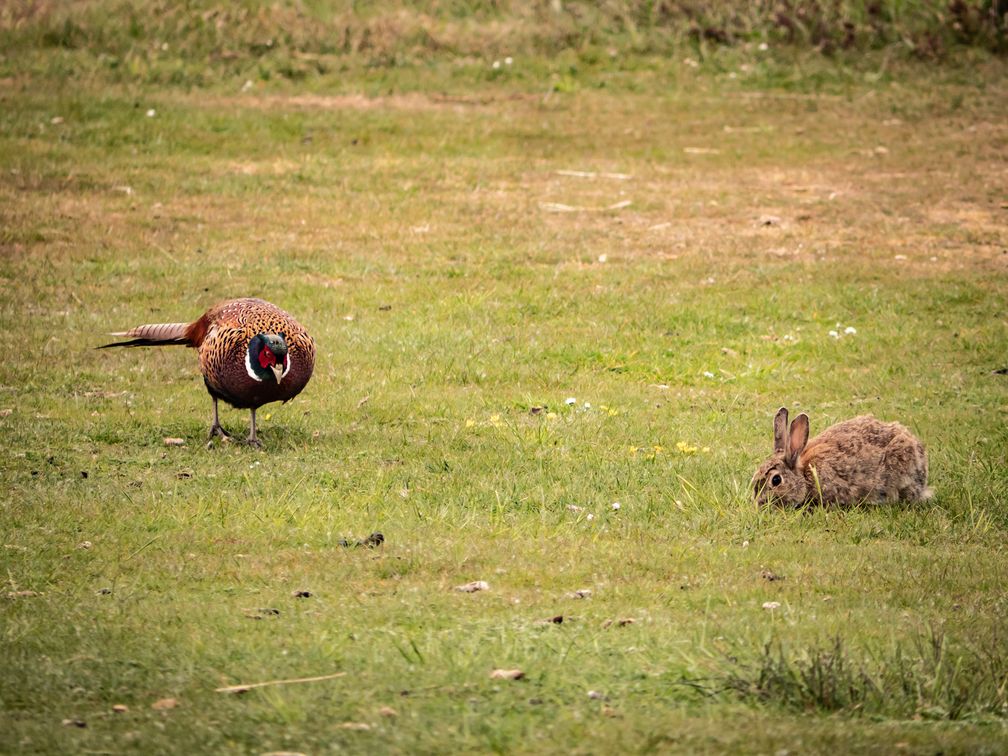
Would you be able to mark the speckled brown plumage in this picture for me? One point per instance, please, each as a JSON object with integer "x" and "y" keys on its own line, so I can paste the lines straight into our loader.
{"x": 250, "y": 353}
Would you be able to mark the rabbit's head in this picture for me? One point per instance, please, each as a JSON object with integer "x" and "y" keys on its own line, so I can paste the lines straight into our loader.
{"x": 778, "y": 481}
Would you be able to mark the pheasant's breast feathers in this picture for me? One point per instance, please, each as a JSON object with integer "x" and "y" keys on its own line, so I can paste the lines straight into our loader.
{"x": 228, "y": 328}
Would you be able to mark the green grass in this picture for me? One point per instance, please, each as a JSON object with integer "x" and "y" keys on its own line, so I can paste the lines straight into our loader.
{"x": 421, "y": 220}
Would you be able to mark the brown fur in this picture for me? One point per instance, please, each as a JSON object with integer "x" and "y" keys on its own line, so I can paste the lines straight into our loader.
{"x": 858, "y": 460}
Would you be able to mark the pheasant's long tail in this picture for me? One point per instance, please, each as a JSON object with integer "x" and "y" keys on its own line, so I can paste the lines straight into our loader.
{"x": 154, "y": 334}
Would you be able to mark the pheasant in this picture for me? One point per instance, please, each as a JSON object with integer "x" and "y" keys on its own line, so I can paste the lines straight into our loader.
{"x": 250, "y": 353}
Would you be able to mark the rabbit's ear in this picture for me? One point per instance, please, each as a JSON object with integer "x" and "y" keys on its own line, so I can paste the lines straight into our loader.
{"x": 797, "y": 439}
{"x": 780, "y": 431}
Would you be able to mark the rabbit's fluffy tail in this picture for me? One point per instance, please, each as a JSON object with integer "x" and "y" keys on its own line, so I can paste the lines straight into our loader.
{"x": 927, "y": 493}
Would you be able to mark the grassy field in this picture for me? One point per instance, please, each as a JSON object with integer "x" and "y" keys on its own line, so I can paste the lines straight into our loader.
{"x": 540, "y": 285}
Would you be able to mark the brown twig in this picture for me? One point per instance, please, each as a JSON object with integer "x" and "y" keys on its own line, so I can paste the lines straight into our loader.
{"x": 249, "y": 686}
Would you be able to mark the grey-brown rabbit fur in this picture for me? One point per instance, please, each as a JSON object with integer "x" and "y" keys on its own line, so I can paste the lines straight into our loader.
{"x": 858, "y": 460}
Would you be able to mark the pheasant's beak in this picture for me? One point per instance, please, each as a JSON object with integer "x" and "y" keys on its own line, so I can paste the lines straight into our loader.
{"x": 277, "y": 371}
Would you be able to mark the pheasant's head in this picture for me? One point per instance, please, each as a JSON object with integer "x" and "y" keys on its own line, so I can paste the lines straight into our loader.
{"x": 267, "y": 358}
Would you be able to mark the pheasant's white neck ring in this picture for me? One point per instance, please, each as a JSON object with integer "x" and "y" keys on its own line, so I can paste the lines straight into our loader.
{"x": 248, "y": 367}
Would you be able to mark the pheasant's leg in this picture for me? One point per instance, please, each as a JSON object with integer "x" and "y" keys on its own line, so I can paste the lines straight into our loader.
{"x": 252, "y": 439}
{"x": 215, "y": 427}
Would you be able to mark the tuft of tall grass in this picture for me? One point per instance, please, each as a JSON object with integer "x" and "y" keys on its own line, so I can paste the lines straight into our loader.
{"x": 197, "y": 42}
{"x": 921, "y": 678}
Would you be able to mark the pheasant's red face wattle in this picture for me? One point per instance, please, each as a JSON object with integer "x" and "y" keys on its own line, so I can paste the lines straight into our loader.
{"x": 267, "y": 358}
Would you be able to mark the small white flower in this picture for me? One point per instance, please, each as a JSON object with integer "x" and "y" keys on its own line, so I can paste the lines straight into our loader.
{"x": 587, "y": 405}
{"x": 570, "y": 401}
{"x": 616, "y": 506}
{"x": 834, "y": 334}
{"x": 708, "y": 374}
{"x": 745, "y": 544}
{"x": 151, "y": 113}
{"x": 508, "y": 60}
{"x": 771, "y": 605}
{"x": 763, "y": 46}
{"x": 589, "y": 517}
{"x": 496, "y": 65}
{"x": 850, "y": 329}
{"x": 603, "y": 258}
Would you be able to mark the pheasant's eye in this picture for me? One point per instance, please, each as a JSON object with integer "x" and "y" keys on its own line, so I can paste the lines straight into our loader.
{"x": 775, "y": 481}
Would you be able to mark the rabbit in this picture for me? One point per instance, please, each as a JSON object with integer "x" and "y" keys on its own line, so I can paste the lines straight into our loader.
{"x": 858, "y": 460}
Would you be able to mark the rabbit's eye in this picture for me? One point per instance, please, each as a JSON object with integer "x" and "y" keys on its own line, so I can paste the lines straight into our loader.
{"x": 775, "y": 480}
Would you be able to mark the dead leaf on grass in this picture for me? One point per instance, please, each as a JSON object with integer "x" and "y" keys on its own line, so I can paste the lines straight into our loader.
{"x": 581, "y": 593}
{"x": 388, "y": 711}
{"x": 373, "y": 540}
{"x": 362, "y": 726}
{"x": 171, "y": 441}
{"x": 120, "y": 708}
{"x": 507, "y": 674}
{"x": 619, "y": 622}
{"x": 21, "y": 594}
{"x": 475, "y": 585}
{"x": 164, "y": 704}
{"x": 770, "y": 576}
{"x": 74, "y": 723}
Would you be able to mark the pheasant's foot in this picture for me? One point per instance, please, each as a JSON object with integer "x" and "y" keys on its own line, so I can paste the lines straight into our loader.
{"x": 217, "y": 430}
{"x": 255, "y": 443}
